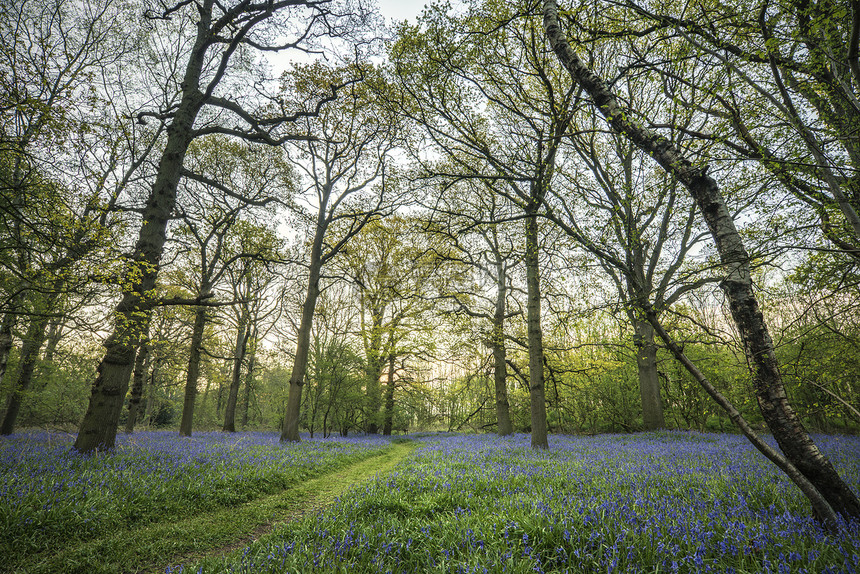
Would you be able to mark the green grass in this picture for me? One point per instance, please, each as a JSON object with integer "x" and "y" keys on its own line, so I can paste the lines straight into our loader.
{"x": 154, "y": 496}
{"x": 144, "y": 548}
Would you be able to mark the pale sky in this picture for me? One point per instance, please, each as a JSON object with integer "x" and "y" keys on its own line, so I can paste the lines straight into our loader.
{"x": 401, "y": 9}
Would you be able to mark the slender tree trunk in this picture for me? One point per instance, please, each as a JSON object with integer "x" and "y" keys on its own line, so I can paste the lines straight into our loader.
{"x": 781, "y": 419}
{"x": 389, "y": 399}
{"x": 649, "y": 381}
{"x": 139, "y": 376}
{"x": 193, "y": 373}
{"x": 99, "y": 425}
{"x": 290, "y": 431}
{"x": 55, "y": 333}
{"x": 249, "y": 380}
{"x": 374, "y": 373}
{"x": 30, "y": 348}
{"x": 150, "y": 391}
{"x": 500, "y": 367}
{"x": 243, "y": 331}
{"x": 535, "y": 336}
{"x": 6, "y": 340}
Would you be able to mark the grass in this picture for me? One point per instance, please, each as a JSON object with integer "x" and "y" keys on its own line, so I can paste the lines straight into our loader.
{"x": 631, "y": 503}
{"x": 80, "y": 510}
{"x": 658, "y": 502}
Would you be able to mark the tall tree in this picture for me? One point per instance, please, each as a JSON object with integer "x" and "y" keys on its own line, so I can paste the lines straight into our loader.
{"x": 242, "y": 181}
{"x": 221, "y": 31}
{"x": 55, "y": 122}
{"x": 478, "y": 224}
{"x": 341, "y": 152}
{"x": 804, "y": 463}
{"x": 252, "y": 248}
{"x": 493, "y": 121}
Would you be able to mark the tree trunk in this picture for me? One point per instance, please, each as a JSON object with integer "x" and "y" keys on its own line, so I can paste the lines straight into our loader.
{"x": 389, "y": 399}
{"x": 781, "y": 419}
{"x": 150, "y": 391}
{"x": 55, "y": 333}
{"x": 300, "y": 367}
{"x": 374, "y": 373}
{"x": 249, "y": 379}
{"x": 243, "y": 332}
{"x": 6, "y": 340}
{"x": 30, "y": 348}
{"x": 290, "y": 432}
{"x": 99, "y": 425}
{"x": 193, "y": 374}
{"x": 649, "y": 382}
{"x": 140, "y": 363}
{"x": 535, "y": 337}
{"x": 500, "y": 368}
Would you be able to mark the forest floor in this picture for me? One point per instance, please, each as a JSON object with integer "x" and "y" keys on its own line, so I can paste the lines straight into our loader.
{"x": 435, "y": 503}
{"x": 156, "y": 546}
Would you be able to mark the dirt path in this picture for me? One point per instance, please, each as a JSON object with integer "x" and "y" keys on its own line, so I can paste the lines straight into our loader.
{"x": 151, "y": 548}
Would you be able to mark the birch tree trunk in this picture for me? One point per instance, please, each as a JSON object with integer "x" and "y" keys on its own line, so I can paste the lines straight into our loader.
{"x": 789, "y": 433}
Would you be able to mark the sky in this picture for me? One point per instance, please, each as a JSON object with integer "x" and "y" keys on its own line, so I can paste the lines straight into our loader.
{"x": 401, "y": 9}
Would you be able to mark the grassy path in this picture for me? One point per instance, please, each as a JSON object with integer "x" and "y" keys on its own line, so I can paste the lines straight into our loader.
{"x": 150, "y": 548}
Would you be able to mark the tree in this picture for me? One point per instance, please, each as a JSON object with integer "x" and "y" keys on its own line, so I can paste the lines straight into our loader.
{"x": 492, "y": 121}
{"x": 798, "y": 62}
{"x": 242, "y": 180}
{"x": 55, "y": 122}
{"x": 221, "y": 32}
{"x": 252, "y": 249}
{"x": 477, "y": 222}
{"x": 341, "y": 151}
{"x": 808, "y": 468}
{"x": 398, "y": 270}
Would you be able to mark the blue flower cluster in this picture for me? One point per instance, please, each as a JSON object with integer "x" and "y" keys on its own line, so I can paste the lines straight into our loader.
{"x": 655, "y": 502}
{"x": 50, "y": 493}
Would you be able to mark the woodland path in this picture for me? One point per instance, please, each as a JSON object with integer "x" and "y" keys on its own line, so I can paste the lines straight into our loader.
{"x": 152, "y": 548}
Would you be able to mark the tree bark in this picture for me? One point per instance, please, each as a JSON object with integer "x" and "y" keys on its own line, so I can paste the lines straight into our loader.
{"x": 30, "y": 348}
{"x": 6, "y": 340}
{"x": 649, "y": 382}
{"x": 193, "y": 373}
{"x": 55, "y": 333}
{"x": 150, "y": 391}
{"x": 820, "y": 506}
{"x": 374, "y": 372}
{"x": 290, "y": 431}
{"x": 140, "y": 364}
{"x": 500, "y": 367}
{"x": 243, "y": 332}
{"x": 781, "y": 419}
{"x": 535, "y": 337}
{"x": 99, "y": 425}
{"x": 249, "y": 379}
{"x": 389, "y": 399}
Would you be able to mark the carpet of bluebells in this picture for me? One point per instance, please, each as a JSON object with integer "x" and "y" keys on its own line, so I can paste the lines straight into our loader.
{"x": 660, "y": 502}
{"x": 51, "y": 496}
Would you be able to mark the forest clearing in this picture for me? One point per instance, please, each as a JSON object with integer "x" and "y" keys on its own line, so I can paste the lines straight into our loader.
{"x": 650, "y": 502}
{"x": 503, "y": 286}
